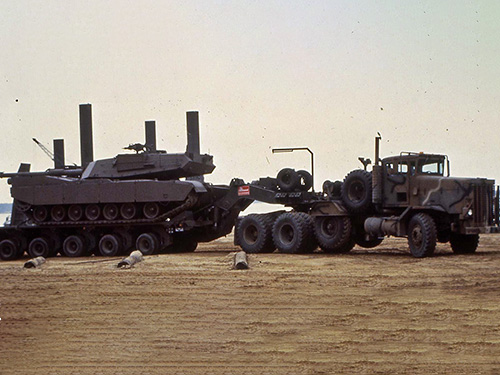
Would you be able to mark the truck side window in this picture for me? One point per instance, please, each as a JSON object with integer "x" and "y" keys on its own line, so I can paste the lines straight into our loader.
{"x": 403, "y": 168}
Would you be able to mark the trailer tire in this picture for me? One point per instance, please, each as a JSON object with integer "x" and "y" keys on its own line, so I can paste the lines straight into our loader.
{"x": 288, "y": 179}
{"x": 110, "y": 245}
{"x": 148, "y": 243}
{"x": 255, "y": 235}
{"x": 333, "y": 232}
{"x": 367, "y": 244}
{"x": 422, "y": 235}
{"x": 356, "y": 191}
{"x": 305, "y": 180}
{"x": 293, "y": 233}
{"x": 463, "y": 243}
{"x": 74, "y": 246}
{"x": 39, "y": 247}
{"x": 9, "y": 250}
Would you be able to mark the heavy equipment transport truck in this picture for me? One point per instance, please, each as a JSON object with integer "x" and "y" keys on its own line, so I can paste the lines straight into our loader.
{"x": 409, "y": 195}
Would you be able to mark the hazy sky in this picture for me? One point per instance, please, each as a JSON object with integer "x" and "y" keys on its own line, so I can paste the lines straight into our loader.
{"x": 262, "y": 74}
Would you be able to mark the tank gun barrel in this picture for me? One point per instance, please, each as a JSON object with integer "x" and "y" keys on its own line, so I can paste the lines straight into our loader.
{"x": 52, "y": 172}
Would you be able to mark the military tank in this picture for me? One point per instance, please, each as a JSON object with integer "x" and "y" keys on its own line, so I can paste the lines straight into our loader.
{"x": 146, "y": 199}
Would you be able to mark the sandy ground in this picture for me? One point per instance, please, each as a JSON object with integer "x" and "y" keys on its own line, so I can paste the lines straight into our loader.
{"x": 378, "y": 311}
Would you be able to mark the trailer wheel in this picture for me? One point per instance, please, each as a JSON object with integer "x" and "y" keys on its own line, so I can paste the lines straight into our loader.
{"x": 148, "y": 243}
{"x": 422, "y": 235}
{"x": 356, "y": 191}
{"x": 305, "y": 180}
{"x": 183, "y": 246}
{"x": 39, "y": 247}
{"x": 9, "y": 250}
{"x": 367, "y": 243}
{"x": 463, "y": 243}
{"x": 333, "y": 233}
{"x": 74, "y": 246}
{"x": 292, "y": 233}
{"x": 288, "y": 179}
{"x": 255, "y": 234}
{"x": 110, "y": 245}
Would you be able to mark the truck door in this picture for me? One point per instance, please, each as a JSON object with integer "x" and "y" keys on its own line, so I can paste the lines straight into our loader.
{"x": 397, "y": 183}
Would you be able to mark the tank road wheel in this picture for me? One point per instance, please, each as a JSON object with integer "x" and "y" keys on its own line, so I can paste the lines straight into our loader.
{"x": 39, "y": 247}
{"x": 110, "y": 211}
{"x": 356, "y": 191}
{"x": 305, "y": 180}
{"x": 128, "y": 211}
{"x": 464, "y": 243}
{"x": 151, "y": 210}
{"x": 333, "y": 233}
{"x": 58, "y": 213}
{"x": 422, "y": 235}
{"x": 288, "y": 179}
{"x": 40, "y": 213}
{"x": 10, "y": 250}
{"x": 110, "y": 245}
{"x": 75, "y": 212}
{"x": 74, "y": 246}
{"x": 92, "y": 212}
{"x": 148, "y": 243}
{"x": 255, "y": 234}
{"x": 22, "y": 206}
{"x": 292, "y": 233}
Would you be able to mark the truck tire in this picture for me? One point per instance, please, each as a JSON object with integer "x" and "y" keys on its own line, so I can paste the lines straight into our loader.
{"x": 422, "y": 235}
{"x": 356, "y": 192}
{"x": 305, "y": 180}
{"x": 463, "y": 243}
{"x": 288, "y": 179}
{"x": 255, "y": 234}
{"x": 292, "y": 233}
{"x": 332, "y": 232}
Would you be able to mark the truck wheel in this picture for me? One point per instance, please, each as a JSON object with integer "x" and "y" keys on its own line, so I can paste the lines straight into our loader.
{"x": 288, "y": 179}
{"x": 332, "y": 232}
{"x": 367, "y": 243}
{"x": 422, "y": 235}
{"x": 463, "y": 243}
{"x": 9, "y": 250}
{"x": 305, "y": 180}
{"x": 292, "y": 233}
{"x": 356, "y": 191}
{"x": 255, "y": 234}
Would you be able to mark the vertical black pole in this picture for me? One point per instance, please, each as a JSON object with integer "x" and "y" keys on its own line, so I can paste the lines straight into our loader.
{"x": 59, "y": 154}
{"x": 86, "y": 143}
{"x": 193, "y": 130}
{"x": 151, "y": 136}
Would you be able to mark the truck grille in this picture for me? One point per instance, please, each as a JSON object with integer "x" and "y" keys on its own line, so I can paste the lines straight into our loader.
{"x": 482, "y": 208}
